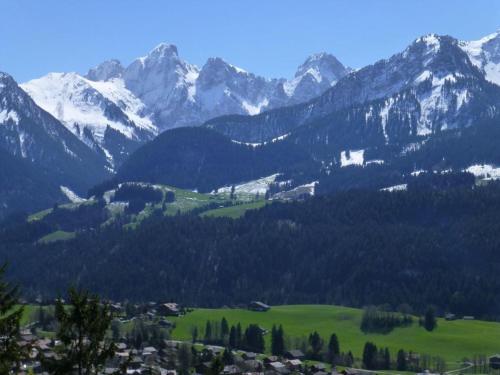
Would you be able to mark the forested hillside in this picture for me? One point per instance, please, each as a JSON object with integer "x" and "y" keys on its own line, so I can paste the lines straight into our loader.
{"x": 419, "y": 247}
{"x": 199, "y": 158}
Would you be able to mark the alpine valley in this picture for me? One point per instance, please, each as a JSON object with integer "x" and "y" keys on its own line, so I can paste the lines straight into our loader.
{"x": 161, "y": 165}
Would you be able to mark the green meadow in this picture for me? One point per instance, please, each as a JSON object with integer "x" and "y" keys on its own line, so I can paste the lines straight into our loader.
{"x": 452, "y": 340}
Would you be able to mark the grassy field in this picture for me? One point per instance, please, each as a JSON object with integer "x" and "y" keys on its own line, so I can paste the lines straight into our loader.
{"x": 235, "y": 211}
{"x": 454, "y": 340}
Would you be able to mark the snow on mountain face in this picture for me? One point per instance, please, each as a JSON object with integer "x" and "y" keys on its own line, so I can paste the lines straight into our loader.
{"x": 430, "y": 86}
{"x": 106, "y": 70}
{"x": 318, "y": 73}
{"x": 485, "y": 54}
{"x": 29, "y": 132}
{"x": 88, "y": 108}
{"x": 177, "y": 93}
{"x": 166, "y": 84}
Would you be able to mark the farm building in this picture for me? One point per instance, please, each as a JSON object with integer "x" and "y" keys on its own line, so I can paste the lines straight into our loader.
{"x": 258, "y": 306}
{"x": 169, "y": 309}
{"x": 294, "y": 354}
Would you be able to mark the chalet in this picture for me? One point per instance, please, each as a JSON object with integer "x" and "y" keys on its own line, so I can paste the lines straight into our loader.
{"x": 231, "y": 370}
{"x": 294, "y": 354}
{"x": 271, "y": 358}
{"x": 494, "y": 361}
{"x": 258, "y": 306}
{"x": 278, "y": 367}
{"x": 253, "y": 365}
{"x": 294, "y": 364}
{"x": 169, "y": 309}
{"x": 249, "y": 356}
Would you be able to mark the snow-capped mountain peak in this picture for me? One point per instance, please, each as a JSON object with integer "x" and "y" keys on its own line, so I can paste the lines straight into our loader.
{"x": 163, "y": 50}
{"x": 105, "y": 71}
{"x": 90, "y": 108}
{"x": 485, "y": 54}
{"x": 319, "y": 72}
{"x": 163, "y": 89}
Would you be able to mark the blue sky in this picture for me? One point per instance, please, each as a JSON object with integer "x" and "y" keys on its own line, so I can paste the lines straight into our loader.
{"x": 267, "y": 37}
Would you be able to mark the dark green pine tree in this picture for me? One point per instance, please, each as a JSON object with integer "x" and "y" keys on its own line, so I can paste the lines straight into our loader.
{"x": 224, "y": 330}
{"x": 316, "y": 343}
{"x": 239, "y": 336}
{"x": 10, "y": 316}
{"x": 387, "y": 359}
{"x": 401, "y": 364}
{"x": 232, "y": 338}
{"x": 280, "y": 336}
{"x": 208, "y": 332}
{"x": 370, "y": 356}
{"x": 82, "y": 332}
{"x": 185, "y": 359}
{"x": 333, "y": 349}
{"x": 227, "y": 357}
{"x": 277, "y": 341}
{"x": 430, "y": 322}
{"x": 254, "y": 339}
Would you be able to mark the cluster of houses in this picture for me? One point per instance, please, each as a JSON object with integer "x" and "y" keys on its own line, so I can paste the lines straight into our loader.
{"x": 164, "y": 361}
{"x": 248, "y": 363}
{"x": 148, "y": 360}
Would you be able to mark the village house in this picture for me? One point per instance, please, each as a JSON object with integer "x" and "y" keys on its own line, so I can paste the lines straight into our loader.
{"x": 258, "y": 306}
{"x": 171, "y": 309}
{"x": 294, "y": 354}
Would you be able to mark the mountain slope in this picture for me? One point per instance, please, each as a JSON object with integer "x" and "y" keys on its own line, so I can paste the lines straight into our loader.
{"x": 28, "y": 132}
{"x": 430, "y": 86}
{"x": 485, "y": 54}
{"x": 199, "y": 158}
{"x": 90, "y": 108}
{"x": 25, "y": 187}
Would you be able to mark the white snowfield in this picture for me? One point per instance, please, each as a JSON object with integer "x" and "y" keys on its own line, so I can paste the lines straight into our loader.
{"x": 400, "y": 187}
{"x": 484, "y": 171}
{"x": 71, "y": 195}
{"x": 259, "y": 186}
{"x": 9, "y": 115}
{"x": 484, "y": 54}
{"x": 355, "y": 157}
{"x": 84, "y": 105}
{"x": 78, "y": 102}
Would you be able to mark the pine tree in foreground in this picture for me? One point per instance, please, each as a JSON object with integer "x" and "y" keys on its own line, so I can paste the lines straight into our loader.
{"x": 10, "y": 316}
{"x": 82, "y": 331}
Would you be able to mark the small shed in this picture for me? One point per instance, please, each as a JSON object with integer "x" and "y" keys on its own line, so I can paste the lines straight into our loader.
{"x": 294, "y": 354}
{"x": 170, "y": 309}
{"x": 258, "y": 306}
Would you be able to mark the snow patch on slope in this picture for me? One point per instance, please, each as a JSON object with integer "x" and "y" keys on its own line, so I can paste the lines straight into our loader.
{"x": 9, "y": 115}
{"x": 353, "y": 157}
{"x": 71, "y": 195}
{"x": 259, "y": 186}
{"x": 78, "y": 102}
{"x": 484, "y": 171}
{"x": 401, "y": 187}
